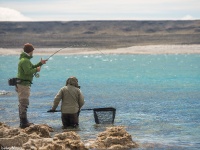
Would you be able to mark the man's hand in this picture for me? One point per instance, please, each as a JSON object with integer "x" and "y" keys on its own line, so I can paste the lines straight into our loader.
{"x": 38, "y": 69}
{"x": 43, "y": 61}
{"x": 51, "y": 110}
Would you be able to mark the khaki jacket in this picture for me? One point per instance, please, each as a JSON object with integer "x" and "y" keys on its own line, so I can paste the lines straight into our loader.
{"x": 72, "y": 99}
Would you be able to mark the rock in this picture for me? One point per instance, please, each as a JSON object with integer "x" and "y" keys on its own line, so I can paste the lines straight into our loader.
{"x": 70, "y": 139}
{"x": 113, "y": 138}
{"x": 61, "y": 141}
{"x": 41, "y": 144}
{"x": 41, "y": 130}
{"x": 37, "y": 137}
{"x": 10, "y": 137}
{"x": 16, "y": 137}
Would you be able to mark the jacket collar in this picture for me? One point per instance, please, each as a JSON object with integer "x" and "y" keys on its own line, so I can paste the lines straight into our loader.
{"x": 25, "y": 55}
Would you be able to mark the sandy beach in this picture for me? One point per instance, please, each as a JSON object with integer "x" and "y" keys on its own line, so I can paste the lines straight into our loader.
{"x": 150, "y": 49}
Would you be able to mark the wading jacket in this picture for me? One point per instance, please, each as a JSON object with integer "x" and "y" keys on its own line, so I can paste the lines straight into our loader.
{"x": 72, "y": 99}
{"x": 26, "y": 69}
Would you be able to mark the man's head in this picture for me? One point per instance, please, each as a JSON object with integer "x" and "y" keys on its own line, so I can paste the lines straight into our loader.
{"x": 28, "y": 48}
{"x": 72, "y": 81}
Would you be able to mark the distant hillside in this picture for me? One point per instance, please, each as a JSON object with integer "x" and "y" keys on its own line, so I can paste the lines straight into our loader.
{"x": 109, "y": 34}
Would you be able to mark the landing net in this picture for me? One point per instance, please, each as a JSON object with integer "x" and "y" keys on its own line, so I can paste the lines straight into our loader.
{"x": 104, "y": 115}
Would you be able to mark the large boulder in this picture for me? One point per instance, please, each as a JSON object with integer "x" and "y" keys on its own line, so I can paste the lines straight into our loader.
{"x": 114, "y": 138}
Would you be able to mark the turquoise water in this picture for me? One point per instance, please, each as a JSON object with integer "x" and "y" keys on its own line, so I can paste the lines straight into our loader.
{"x": 157, "y": 97}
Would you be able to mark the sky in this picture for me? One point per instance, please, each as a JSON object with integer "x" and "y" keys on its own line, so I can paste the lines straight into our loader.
{"x": 82, "y": 10}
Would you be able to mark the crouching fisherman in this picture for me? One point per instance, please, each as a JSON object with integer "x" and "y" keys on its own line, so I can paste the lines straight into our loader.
{"x": 26, "y": 71}
{"x": 72, "y": 101}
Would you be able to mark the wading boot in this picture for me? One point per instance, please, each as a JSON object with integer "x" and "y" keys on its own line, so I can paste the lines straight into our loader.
{"x": 24, "y": 123}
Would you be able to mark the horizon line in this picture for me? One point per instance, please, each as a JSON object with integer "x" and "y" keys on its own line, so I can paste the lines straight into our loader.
{"x": 99, "y": 20}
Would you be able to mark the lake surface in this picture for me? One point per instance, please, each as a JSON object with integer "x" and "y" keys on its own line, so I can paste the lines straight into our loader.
{"x": 157, "y": 97}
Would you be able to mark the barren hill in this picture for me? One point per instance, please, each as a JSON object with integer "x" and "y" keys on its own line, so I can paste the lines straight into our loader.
{"x": 105, "y": 34}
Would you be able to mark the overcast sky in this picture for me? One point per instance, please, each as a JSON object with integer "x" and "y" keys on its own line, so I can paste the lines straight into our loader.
{"x": 70, "y": 10}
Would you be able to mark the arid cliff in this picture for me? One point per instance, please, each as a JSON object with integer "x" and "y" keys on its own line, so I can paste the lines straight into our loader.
{"x": 100, "y": 34}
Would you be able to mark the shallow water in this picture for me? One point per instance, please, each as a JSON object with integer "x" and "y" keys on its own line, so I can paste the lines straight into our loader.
{"x": 156, "y": 97}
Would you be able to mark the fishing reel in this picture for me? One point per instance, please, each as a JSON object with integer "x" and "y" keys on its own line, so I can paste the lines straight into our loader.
{"x": 37, "y": 75}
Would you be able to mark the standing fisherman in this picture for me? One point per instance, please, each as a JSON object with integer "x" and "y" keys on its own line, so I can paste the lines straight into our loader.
{"x": 26, "y": 71}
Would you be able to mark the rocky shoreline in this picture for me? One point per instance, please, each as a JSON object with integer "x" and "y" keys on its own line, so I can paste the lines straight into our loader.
{"x": 37, "y": 137}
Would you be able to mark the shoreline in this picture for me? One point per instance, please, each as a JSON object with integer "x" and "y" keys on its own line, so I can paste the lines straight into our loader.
{"x": 149, "y": 49}
{"x": 38, "y": 135}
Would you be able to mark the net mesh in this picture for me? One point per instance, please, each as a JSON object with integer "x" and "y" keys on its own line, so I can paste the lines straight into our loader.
{"x": 104, "y": 115}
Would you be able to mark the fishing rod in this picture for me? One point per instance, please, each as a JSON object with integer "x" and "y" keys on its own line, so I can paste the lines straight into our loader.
{"x": 55, "y": 53}
{"x": 66, "y": 47}
{"x": 37, "y": 75}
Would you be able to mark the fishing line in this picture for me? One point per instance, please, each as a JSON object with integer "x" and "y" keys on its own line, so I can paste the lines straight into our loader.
{"x": 100, "y": 52}
{"x": 66, "y": 47}
{"x": 37, "y": 75}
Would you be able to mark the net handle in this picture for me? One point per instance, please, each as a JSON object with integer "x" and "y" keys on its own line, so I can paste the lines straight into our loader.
{"x": 88, "y": 109}
{"x": 60, "y": 110}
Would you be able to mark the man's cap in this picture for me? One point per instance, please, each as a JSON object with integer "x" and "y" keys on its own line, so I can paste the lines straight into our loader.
{"x": 28, "y": 48}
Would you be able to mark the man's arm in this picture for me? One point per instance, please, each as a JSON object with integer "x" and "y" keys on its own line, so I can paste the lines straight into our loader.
{"x": 81, "y": 100}
{"x": 57, "y": 99}
{"x": 28, "y": 70}
{"x": 40, "y": 63}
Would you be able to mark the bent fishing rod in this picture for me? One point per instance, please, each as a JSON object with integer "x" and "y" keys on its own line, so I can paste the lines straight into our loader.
{"x": 55, "y": 53}
{"x": 37, "y": 75}
{"x": 66, "y": 47}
